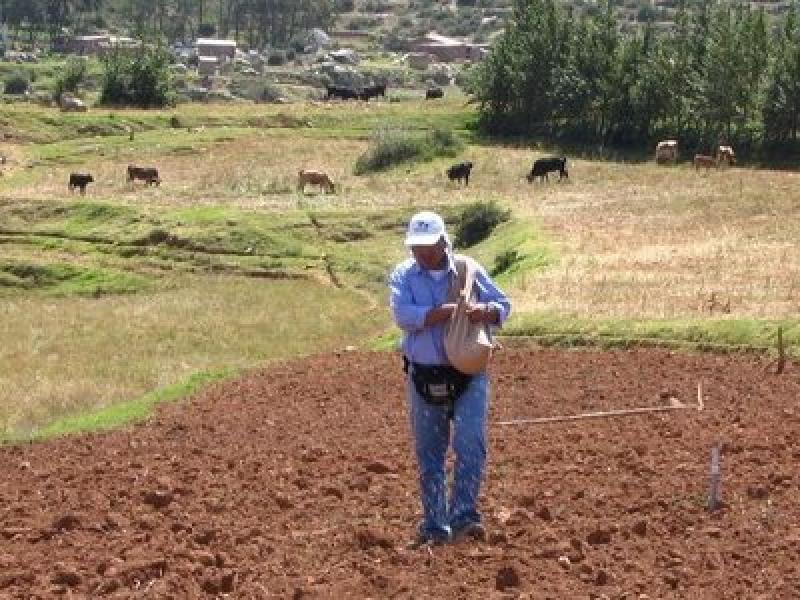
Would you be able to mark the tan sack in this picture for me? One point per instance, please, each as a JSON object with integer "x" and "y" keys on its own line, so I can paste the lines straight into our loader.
{"x": 468, "y": 345}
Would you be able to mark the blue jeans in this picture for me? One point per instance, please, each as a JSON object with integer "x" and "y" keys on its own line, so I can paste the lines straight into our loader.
{"x": 430, "y": 425}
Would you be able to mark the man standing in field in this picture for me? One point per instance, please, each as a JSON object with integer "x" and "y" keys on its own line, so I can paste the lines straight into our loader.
{"x": 420, "y": 288}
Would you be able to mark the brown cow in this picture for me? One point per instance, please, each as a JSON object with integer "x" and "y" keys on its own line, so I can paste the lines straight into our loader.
{"x": 308, "y": 176}
{"x": 146, "y": 174}
{"x": 701, "y": 160}
{"x": 667, "y": 151}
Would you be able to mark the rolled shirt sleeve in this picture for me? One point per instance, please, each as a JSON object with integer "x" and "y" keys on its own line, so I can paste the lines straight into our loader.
{"x": 408, "y": 315}
{"x": 492, "y": 295}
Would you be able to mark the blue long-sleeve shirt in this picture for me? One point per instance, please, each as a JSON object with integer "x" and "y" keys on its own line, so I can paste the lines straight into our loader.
{"x": 414, "y": 292}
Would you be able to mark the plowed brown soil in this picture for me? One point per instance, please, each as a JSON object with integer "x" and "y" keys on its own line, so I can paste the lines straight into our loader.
{"x": 298, "y": 481}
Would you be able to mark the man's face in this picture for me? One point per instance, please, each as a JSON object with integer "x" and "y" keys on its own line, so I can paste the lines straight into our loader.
{"x": 430, "y": 257}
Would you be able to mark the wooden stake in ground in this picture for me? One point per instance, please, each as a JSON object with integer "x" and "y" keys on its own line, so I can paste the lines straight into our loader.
{"x": 781, "y": 352}
{"x": 780, "y": 362}
{"x": 714, "y": 501}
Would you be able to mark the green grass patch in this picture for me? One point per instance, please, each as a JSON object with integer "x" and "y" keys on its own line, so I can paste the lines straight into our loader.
{"x": 60, "y": 279}
{"x": 718, "y": 335}
{"x": 111, "y": 140}
{"x": 516, "y": 248}
{"x": 121, "y": 413}
{"x": 108, "y": 127}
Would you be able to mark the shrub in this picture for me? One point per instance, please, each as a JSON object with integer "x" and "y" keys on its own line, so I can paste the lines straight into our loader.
{"x": 391, "y": 147}
{"x": 16, "y": 83}
{"x": 443, "y": 142}
{"x": 73, "y": 76}
{"x": 276, "y": 58}
{"x": 298, "y": 43}
{"x": 477, "y": 221}
{"x": 141, "y": 80}
{"x": 270, "y": 93}
{"x": 504, "y": 261}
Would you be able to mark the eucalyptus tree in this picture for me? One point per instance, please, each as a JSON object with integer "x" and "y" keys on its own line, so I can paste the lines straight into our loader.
{"x": 514, "y": 86}
{"x": 781, "y": 109}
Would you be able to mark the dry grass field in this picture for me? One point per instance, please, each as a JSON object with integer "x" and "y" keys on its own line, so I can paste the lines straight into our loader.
{"x": 629, "y": 241}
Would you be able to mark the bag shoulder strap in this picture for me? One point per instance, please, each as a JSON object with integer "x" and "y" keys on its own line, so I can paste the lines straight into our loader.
{"x": 464, "y": 279}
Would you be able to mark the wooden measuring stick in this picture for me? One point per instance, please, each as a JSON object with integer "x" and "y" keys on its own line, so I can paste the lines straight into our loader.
{"x": 609, "y": 413}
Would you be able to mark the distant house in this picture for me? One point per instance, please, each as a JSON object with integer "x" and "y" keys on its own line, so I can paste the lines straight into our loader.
{"x": 448, "y": 49}
{"x": 97, "y": 45}
{"x": 222, "y": 50}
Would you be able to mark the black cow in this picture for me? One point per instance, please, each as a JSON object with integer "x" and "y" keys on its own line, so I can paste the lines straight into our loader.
{"x": 373, "y": 91}
{"x": 146, "y": 174}
{"x": 434, "y": 92}
{"x": 543, "y": 166}
{"x": 80, "y": 181}
{"x": 459, "y": 172}
{"x": 345, "y": 93}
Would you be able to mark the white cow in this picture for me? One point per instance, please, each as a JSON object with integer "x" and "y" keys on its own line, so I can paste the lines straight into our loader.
{"x": 71, "y": 103}
{"x": 667, "y": 151}
{"x": 726, "y": 155}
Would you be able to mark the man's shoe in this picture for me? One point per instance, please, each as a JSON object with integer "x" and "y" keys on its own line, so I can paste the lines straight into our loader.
{"x": 471, "y": 531}
{"x": 427, "y": 540}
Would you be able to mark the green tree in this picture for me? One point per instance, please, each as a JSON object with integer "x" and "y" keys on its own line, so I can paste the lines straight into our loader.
{"x": 781, "y": 109}
{"x": 73, "y": 74}
{"x": 514, "y": 86}
{"x": 141, "y": 80}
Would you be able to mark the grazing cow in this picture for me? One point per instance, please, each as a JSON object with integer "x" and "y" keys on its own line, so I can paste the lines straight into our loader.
{"x": 726, "y": 155}
{"x": 434, "y": 92}
{"x": 320, "y": 178}
{"x": 80, "y": 181}
{"x": 345, "y": 93}
{"x": 701, "y": 160}
{"x": 459, "y": 172}
{"x": 667, "y": 151}
{"x": 373, "y": 91}
{"x": 543, "y": 166}
{"x": 147, "y": 174}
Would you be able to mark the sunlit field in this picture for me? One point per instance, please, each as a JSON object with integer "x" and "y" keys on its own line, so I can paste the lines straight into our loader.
{"x": 627, "y": 241}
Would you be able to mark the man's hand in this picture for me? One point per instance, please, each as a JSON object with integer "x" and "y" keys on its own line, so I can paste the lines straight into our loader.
{"x": 440, "y": 314}
{"x": 481, "y": 313}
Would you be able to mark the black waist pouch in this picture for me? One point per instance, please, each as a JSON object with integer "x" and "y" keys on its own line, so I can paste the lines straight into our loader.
{"x": 437, "y": 384}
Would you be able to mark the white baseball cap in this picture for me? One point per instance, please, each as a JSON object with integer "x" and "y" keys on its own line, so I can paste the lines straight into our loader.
{"x": 425, "y": 229}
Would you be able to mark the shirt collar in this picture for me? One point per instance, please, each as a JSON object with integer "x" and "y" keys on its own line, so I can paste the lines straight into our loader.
{"x": 451, "y": 265}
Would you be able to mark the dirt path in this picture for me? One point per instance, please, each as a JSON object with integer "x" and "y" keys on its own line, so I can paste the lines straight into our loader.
{"x": 298, "y": 481}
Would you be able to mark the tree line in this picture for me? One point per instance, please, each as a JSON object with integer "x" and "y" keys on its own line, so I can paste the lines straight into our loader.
{"x": 725, "y": 73}
{"x": 257, "y": 23}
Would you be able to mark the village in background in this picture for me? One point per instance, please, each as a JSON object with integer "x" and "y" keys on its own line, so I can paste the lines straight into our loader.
{"x": 411, "y": 44}
{"x": 212, "y": 67}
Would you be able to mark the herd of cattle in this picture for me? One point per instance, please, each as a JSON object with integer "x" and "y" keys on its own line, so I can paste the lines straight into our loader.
{"x": 459, "y": 172}
{"x": 667, "y": 152}
{"x": 368, "y": 92}
{"x": 149, "y": 175}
